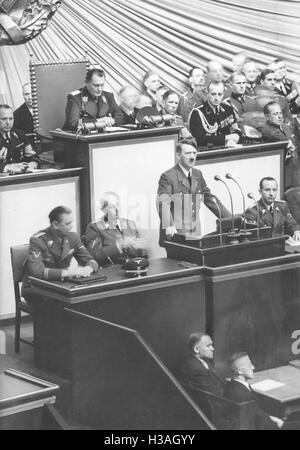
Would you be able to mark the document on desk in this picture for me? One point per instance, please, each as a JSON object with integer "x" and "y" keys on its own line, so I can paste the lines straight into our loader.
{"x": 266, "y": 385}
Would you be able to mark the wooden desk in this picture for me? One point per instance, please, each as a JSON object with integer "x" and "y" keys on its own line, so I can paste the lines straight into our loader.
{"x": 22, "y": 399}
{"x": 283, "y": 400}
{"x": 164, "y": 307}
{"x": 25, "y": 202}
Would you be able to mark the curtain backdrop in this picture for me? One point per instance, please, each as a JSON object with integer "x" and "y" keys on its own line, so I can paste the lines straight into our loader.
{"x": 128, "y": 37}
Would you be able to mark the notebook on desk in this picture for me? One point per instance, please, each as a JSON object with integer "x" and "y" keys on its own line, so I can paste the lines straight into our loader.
{"x": 92, "y": 279}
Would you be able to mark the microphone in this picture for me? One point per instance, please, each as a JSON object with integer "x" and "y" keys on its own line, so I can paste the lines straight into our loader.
{"x": 250, "y": 195}
{"x": 214, "y": 199}
{"x": 230, "y": 177}
{"x": 158, "y": 120}
{"x": 233, "y": 236}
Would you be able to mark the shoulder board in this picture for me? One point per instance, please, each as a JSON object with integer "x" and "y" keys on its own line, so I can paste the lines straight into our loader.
{"x": 39, "y": 234}
{"x": 253, "y": 206}
{"x": 280, "y": 201}
{"x": 76, "y": 92}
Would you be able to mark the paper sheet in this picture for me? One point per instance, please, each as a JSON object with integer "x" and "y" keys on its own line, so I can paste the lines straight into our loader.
{"x": 266, "y": 385}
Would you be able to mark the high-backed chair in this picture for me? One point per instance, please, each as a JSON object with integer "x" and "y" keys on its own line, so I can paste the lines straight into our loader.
{"x": 18, "y": 258}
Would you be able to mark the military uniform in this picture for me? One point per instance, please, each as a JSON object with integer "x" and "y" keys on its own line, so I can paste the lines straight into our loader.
{"x": 101, "y": 240}
{"x": 210, "y": 127}
{"x": 81, "y": 101}
{"x": 15, "y": 148}
{"x": 251, "y": 89}
{"x": 188, "y": 101}
{"x": 241, "y": 104}
{"x": 179, "y": 203}
{"x": 285, "y": 88}
{"x": 281, "y": 219}
{"x": 49, "y": 256}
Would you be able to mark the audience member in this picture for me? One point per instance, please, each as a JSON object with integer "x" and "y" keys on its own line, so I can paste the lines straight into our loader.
{"x": 112, "y": 239}
{"x": 180, "y": 192}
{"x": 23, "y": 116}
{"x": 251, "y": 72}
{"x": 275, "y": 128}
{"x": 265, "y": 92}
{"x": 214, "y": 123}
{"x": 195, "y": 96}
{"x": 240, "y": 102}
{"x": 51, "y": 252}
{"x": 215, "y": 72}
{"x": 16, "y": 153}
{"x": 238, "y": 61}
{"x": 197, "y": 370}
{"x": 239, "y": 391}
{"x": 128, "y": 96}
{"x": 274, "y": 214}
{"x": 151, "y": 83}
{"x": 160, "y": 98}
{"x": 288, "y": 88}
{"x": 91, "y": 102}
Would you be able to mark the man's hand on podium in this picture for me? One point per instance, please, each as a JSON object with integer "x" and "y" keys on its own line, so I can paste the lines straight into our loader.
{"x": 296, "y": 236}
{"x": 170, "y": 231}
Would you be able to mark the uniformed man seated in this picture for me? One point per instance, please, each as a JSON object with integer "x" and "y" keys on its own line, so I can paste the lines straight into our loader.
{"x": 23, "y": 116}
{"x": 214, "y": 123}
{"x": 275, "y": 214}
{"x": 91, "y": 102}
{"x": 16, "y": 153}
{"x": 195, "y": 95}
{"x": 239, "y": 100}
{"x": 112, "y": 239}
{"x": 51, "y": 252}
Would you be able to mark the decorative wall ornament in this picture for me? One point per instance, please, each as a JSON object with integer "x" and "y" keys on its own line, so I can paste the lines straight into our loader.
{"x": 23, "y": 20}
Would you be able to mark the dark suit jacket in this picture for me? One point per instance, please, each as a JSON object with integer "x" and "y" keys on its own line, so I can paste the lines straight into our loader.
{"x": 122, "y": 118}
{"x": 194, "y": 374}
{"x": 178, "y": 203}
{"x": 101, "y": 241}
{"x": 274, "y": 133}
{"x": 23, "y": 119}
{"x": 81, "y": 100}
{"x": 238, "y": 393}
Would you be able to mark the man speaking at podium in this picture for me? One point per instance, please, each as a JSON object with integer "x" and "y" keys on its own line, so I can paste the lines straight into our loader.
{"x": 180, "y": 192}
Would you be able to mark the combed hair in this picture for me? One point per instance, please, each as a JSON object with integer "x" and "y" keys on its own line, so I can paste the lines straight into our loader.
{"x": 149, "y": 74}
{"x": 237, "y": 73}
{"x": 185, "y": 141}
{"x": 267, "y": 106}
{"x": 190, "y": 73}
{"x": 264, "y": 73}
{"x": 215, "y": 83}
{"x": 235, "y": 357}
{"x": 168, "y": 93}
{"x": 194, "y": 338}
{"x": 57, "y": 212}
{"x": 261, "y": 183}
{"x": 90, "y": 73}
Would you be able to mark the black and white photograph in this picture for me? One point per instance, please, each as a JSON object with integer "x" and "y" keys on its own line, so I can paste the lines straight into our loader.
{"x": 150, "y": 217}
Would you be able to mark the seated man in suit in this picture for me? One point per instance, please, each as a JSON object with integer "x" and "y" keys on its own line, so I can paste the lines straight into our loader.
{"x": 16, "y": 153}
{"x": 128, "y": 96}
{"x": 91, "y": 102}
{"x": 214, "y": 123}
{"x": 197, "y": 370}
{"x": 276, "y": 129}
{"x": 52, "y": 250}
{"x": 275, "y": 214}
{"x": 239, "y": 391}
{"x": 23, "y": 116}
{"x": 112, "y": 239}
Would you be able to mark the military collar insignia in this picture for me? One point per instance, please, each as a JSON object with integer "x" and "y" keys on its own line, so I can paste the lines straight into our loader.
{"x": 50, "y": 244}
{"x": 277, "y": 209}
{"x": 263, "y": 211}
{"x": 85, "y": 99}
{"x": 103, "y": 98}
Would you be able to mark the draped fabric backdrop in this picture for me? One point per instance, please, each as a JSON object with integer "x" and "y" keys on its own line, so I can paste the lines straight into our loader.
{"x": 128, "y": 37}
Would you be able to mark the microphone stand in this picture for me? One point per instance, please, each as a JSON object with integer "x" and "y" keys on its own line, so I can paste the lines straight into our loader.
{"x": 233, "y": 237}
{"x": 214, "y": 199}
{"x": 251, "y": 196}
{"x": 244, "y": 234}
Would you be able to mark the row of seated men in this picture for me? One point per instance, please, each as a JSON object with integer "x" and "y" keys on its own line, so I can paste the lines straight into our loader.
{"x": 215, "y": 109}
{"x": 113, "y": 239}
{"x": 198, "y": 373}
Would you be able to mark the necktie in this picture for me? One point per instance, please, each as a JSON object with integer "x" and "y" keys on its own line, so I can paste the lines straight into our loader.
{"x": 271, "y": 210}
{"x": 190, "y": 178}
{"x": 283, "y": 88}
{"x": 118, "y": 228}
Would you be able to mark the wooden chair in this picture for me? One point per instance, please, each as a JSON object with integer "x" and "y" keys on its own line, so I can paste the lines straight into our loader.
{"x": 18, "y": 258}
